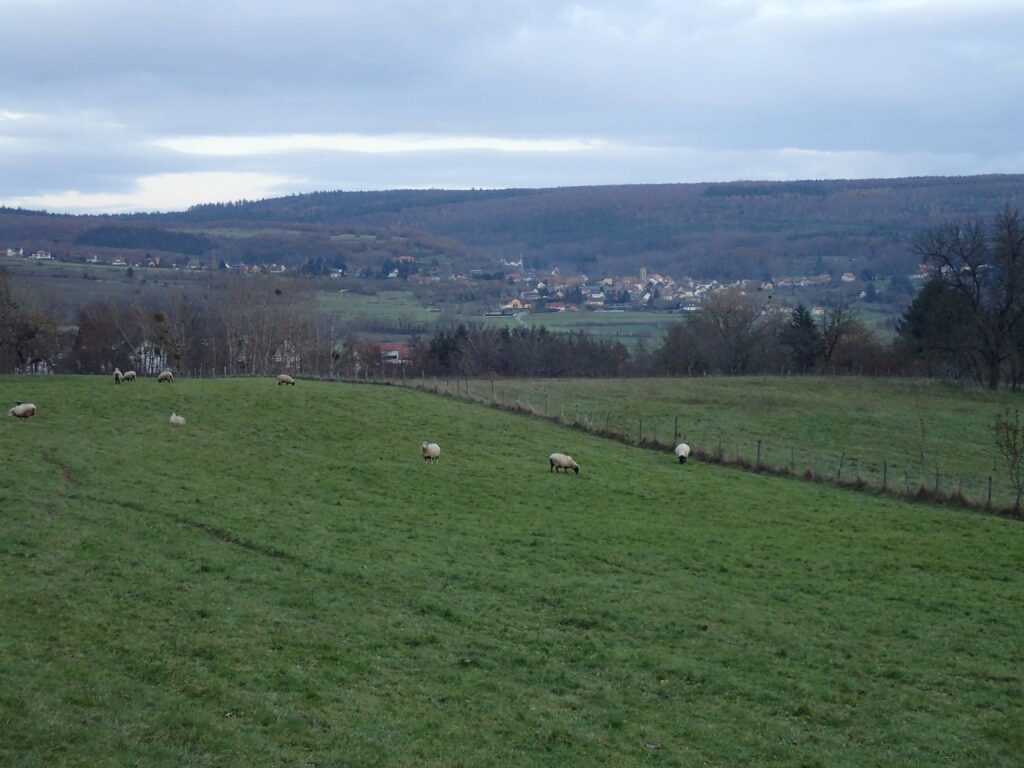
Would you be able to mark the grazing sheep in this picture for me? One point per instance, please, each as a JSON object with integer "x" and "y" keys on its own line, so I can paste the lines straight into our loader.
{"x": 176, "y": 419}
{"x": 682, "y": 452}
{"x": 23, "y": 410}
{"x": 128, "y": 376}
{"x": 165, "y": 376}
{"x": 430, "y": 451}
{"x": 118, "y": 375}
{"x": 563, "y": 462}
{"x": 284, "y": 378}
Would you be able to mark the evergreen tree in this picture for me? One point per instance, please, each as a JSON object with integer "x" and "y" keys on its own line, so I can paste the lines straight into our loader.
{"x": 803, "y": 339}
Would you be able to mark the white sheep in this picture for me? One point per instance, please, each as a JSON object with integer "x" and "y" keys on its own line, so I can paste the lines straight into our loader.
{"x": 430, "y": 451}
{"x": 682, "y": 452}
{"x": 564, "y": 462}
{"x": 165, "y": 376}
{"x": 23, "y": 410}
{"x": 118, "y": 375}
{"x": 128, "y": 376}
{"x": 176, "y": 419}
{"x": 284, "y": 378}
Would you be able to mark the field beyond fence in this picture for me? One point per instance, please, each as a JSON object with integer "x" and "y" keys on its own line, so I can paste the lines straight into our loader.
{"x": 912, "y": 438}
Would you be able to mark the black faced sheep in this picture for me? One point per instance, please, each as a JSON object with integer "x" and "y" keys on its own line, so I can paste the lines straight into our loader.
{"x": 682, "y": 452}
{"x": 23, "y": 411}
{"x": 564, "y": 462}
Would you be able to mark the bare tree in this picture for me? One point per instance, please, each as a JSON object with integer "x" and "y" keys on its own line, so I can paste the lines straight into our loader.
{"x": 838, "y": 324}
{"x": 737, "y": 328}
{"x": 985, "y": 268}
{"x": 1009, "y": 437}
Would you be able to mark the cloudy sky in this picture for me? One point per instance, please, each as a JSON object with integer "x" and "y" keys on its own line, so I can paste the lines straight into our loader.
{"x": 113, "y": 105}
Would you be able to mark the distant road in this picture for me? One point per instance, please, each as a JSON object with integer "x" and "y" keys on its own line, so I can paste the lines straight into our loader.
{"x": 521, "y": 319}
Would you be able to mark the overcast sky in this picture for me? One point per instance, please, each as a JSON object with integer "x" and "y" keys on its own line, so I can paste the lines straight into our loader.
{"x": 113, "y": 105}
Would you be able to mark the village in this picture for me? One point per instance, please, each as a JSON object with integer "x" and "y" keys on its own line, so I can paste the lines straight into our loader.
{"x": 537, "y": 291}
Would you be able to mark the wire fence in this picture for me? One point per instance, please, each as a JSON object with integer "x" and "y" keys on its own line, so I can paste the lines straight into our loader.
{"x": 895, "y": 476}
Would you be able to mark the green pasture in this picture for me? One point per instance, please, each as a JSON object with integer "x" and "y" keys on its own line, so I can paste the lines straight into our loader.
{"x": 384, "y": 309}
{"x": 283, "y": 581}
{"x": 630, "y": 328}
{"x": 899, "y": 431}
{"x": 66, "y": 286}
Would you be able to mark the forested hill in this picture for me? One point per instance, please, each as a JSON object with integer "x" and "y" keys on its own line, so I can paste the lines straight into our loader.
{"x": 723, "y": 230}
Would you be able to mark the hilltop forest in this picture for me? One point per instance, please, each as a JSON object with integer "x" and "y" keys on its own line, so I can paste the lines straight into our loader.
{"x": 724, "y": 231}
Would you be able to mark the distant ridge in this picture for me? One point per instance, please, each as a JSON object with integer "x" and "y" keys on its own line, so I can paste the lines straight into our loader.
{"x": 725, "y": 230}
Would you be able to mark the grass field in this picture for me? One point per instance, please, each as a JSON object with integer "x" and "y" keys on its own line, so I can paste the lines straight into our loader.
{"x": 63, "y": 285}
{"x": 628, "y": 327}
{"x": 915, "y": 427}
{"x": 402, "y": 310}
{"x": 284, "y": 582}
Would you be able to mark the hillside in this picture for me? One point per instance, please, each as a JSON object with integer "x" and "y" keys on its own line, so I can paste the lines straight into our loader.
{"x": 742, "y": 229}
{"x": 902, "y": 432}
{"x": 283, "y": 581}
{"x": 723, "y": 231}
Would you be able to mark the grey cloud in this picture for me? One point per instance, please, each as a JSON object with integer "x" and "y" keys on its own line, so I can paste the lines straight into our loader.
{"x": 931, "y": 87}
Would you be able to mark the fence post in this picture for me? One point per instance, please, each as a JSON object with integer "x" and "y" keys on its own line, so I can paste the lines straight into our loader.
{"x": 576, "y": 418}
{"x": 885, "y": 475}
{"x": 989, "y": 504}
{"x": 675, "y": 433}
{"x": 792, "y": 461}
{"x": 936, "y": 479}
{"x": 654, "y": 431}
{"x": 545, "y": 405}
{"x": 468, "y": 396}
{"x": 758, "y": 454}
{"x": 839, "y": 471}
{"x": 641, "y": 439}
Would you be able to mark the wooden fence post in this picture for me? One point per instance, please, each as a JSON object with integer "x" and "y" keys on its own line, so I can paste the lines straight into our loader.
{"x": 758, "y": 454}
{"x": 675, "y": 433}
{"x": 885, "y": 475}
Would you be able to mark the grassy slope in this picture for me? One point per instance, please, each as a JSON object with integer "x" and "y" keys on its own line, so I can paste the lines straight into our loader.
{"x": 870, "y": 420}
{"x": 284, "y": 582}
